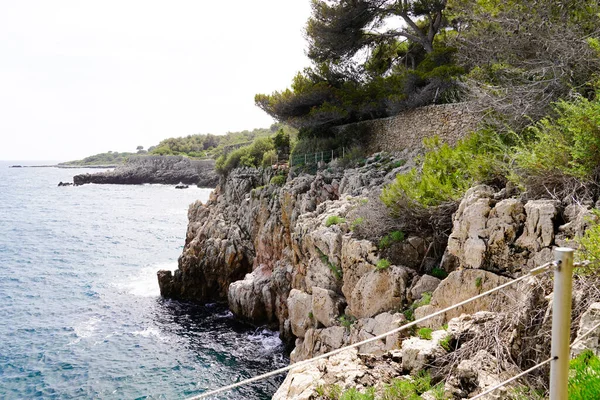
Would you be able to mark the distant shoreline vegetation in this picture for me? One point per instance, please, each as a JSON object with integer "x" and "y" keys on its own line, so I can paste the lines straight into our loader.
{"x": 197, "y": 146}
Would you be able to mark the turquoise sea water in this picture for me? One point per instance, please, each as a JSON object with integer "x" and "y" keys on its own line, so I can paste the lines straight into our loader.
{"x": 80, "y": 311}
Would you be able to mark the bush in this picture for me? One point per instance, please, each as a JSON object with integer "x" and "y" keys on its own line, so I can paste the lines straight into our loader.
{"x": 446, "y": 343}
{"x": 425, "y": 333}
{"x": 278, "y": 180}
{"x": 247, "y": 156}
{"x": 589, "y": 244}
{"x": 382, "y": 264}
{"x": 391, "y": 238}
{"x": 584, "y": 377}
{"x": 346, "y": 320}
{"x": 446, "y": 173}
{"x": 334, "y": 220}
{"x": 357, "y": 221}
{"x": 439, "y": 273}
{"x": 269, "y": 157}
{"x": 411, "y": 389}
{"x": 556, "y": 150}
{"x": 354, "y": 394}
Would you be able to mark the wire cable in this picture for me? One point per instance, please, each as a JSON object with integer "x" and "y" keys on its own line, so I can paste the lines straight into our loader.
{"x": 506, "y": 382}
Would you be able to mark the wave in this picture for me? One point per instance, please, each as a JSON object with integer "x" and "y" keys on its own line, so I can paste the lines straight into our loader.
{"x": 144, "y": 283}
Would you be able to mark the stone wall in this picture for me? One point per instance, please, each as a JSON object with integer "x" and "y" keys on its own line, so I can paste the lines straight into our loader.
{"x": 450, "y": 122}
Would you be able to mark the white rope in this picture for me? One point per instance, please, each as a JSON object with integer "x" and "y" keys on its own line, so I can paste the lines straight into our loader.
{"x": 506, "y": 382}
{"x": 279, "y": 371}
{"x": 585, "y": 334}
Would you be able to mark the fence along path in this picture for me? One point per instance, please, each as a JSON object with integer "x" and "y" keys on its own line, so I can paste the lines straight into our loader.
{"x": 562, "y": 266}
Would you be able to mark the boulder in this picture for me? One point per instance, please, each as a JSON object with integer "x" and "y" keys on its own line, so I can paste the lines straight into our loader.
{"x": 477, "y": 374}
{"x": 501, "y": 236}
{"x": 326, "y": 306}
{"x": 319, "y": 341}
{"x": 462, "y": 285}
{"x": 300, "y": 312}
{"x": 417, "y": 353}
{"x": 424, "y": 284}
{"x": 367, "y": 328}
{"x": 342, "y": 369}
{"x": 250, "y": 299}
{"x": 379, "y": 291}
{"x": 589, "y": 319}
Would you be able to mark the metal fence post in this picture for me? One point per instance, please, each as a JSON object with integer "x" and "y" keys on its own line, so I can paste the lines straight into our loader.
{"x": 561, "y": 323}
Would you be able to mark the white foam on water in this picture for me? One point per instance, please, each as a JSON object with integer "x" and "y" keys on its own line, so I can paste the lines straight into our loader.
{"x": 150, "y": 331}
{"x": 269, "y": 340}
{"x": 85, "y": 329}
{"x": 144, "y": 283}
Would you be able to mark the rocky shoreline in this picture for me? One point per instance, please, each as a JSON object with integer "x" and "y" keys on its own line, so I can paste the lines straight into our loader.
{"x": 170, "y": 170}
{"x": 274, "y": 254}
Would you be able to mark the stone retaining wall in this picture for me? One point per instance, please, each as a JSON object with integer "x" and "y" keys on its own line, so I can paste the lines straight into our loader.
{"x": 450, "y": 122}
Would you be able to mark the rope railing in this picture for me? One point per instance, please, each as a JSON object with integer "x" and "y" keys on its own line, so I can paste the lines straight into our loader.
{"x": 536, "y": 271}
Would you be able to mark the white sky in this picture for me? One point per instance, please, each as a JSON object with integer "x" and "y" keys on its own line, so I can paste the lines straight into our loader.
{"x": 82, "y": 77}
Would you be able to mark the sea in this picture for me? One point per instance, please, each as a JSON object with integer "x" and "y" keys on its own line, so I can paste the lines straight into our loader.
{"x": 81, "y": 315}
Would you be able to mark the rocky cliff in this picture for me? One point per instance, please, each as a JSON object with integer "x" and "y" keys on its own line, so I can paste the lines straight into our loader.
{"x": 290, "y": 257}
{"x": 169, "y": 170}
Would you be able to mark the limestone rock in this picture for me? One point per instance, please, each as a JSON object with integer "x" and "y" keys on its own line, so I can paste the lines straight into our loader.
{"x": 250, "y": 299}
{"x": 300, "y": 311}
{"x": 592, "y": 341}
{"x": 319, "y": 341}
{"x": 379, "y": 291}
{"x": 478, "y": 374}
{"x": 369, "y": 327}
{"x": 417, "y": 352}
{"x": 502, "y": 236}
{"x": 425, "y": 283}
{"x": 465, "y": 241}
{"x": 169, "y": 170}
{"x": 464, "y": 284}
{"x": 342, "y": 369}
{"x": 326, "y": 306}
{"x": 539, "y": 226}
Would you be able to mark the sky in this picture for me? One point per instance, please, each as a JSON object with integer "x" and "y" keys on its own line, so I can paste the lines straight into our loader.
{"x": 84, "y": 77}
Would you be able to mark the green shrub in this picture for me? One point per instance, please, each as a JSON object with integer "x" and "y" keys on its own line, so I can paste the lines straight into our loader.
{"x": 445, "y": 343}
{"x": 584, "y": 377}
{"x": 247, "y": 156}
{"x": 278, "y": 180}
{"x": 357, "y": 221}
{"x": 346, "y": 320}
{"x": 568, "y": 144}
{"x": 334, "y": 220}
{"x": 398, "y": 163}
{"x": 400, "y": 389}
{"x": 269, "y": 157}
{"x": 423, "y": 301}
{"x": 425, "y": 333}
{"x": 382, "y": 264}
{"x": 478, "y": 282}
{"x": 409, "y": 314}
{"x": 447, "y": 172}
{"x": 389, "y": 239}
{"x": 439, "y": 273}
{"x": 408, "y": 389}
{"x": 588, "y": 245}
{"x": 354, "y": 394}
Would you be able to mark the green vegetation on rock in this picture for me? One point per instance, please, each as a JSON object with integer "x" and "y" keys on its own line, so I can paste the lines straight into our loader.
{"x": 108, "y": 158}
